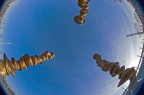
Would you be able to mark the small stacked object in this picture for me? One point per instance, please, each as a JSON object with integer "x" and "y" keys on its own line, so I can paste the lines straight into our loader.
{"x": 115, "y": 69}
{"x": 8, "y": 67}
{"x": 83, "y": 4}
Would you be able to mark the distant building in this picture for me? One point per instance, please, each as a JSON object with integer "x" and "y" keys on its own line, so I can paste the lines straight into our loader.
{"x": 4, "y": 4}
{"x": 7, "y": 87}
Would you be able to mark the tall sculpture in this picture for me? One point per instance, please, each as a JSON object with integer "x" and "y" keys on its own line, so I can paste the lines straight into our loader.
{"x": 83, "y": 4}
{"x": 8, "y": 67}
{"x": 115, "y": 69}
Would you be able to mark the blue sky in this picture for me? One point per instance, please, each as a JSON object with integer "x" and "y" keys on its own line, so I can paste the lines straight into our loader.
{"x": 34, "y": 27}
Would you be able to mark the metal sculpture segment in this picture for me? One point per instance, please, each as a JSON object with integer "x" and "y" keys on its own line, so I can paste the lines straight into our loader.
{"x": 115, "y": 69}
{"x": 8, "y": 67}
{"x": 83, "y": 4}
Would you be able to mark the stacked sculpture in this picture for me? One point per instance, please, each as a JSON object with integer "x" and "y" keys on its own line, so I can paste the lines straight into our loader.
{"x": 8, "y": 67}
{"x": 114, "y": 69}
{"x": 80, "y": 19}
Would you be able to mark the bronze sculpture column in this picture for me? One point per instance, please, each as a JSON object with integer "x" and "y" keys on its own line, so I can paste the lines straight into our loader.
{"x": 115, "y": 69}
{"x": 8, "y": 67}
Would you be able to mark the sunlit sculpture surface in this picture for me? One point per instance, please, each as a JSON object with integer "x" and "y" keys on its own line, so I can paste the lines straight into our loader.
{"x": 83, "y": 4}
{"x": 8, "y": 67}
{"x": 115, "y": 69}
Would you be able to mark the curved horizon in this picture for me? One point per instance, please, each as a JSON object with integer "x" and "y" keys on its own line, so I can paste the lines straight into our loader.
{"x": 130, "y": 59}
